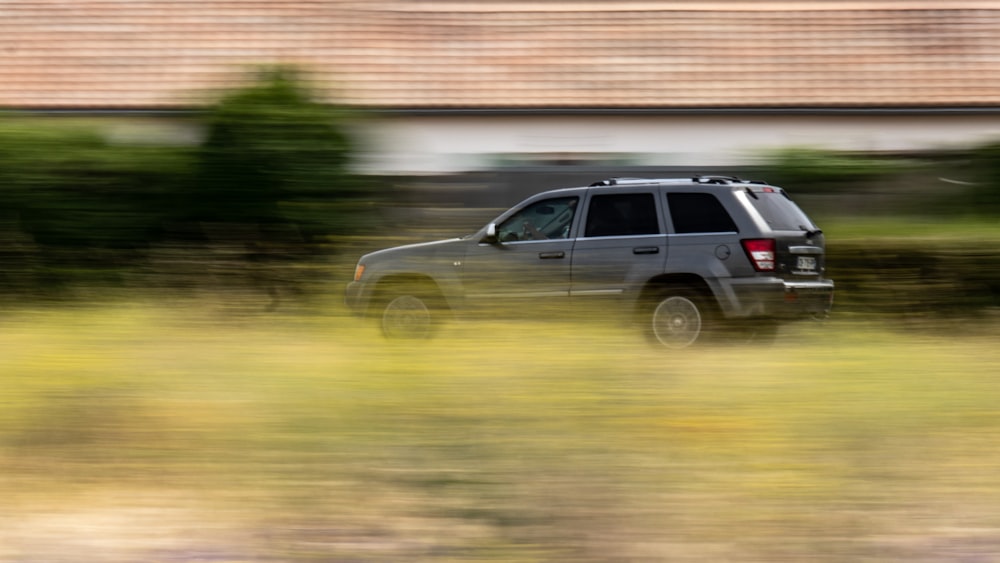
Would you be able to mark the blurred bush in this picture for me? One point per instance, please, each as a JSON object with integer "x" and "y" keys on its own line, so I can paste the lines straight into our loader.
{"x": 269, "y": 185}
{"x": 275, "y": 156}
{"x": 984, "y": 194}
{"x": 810, "y": 169}
{"x": 67, "y": 187}
{"x": 74, "y": 207}
{"x": 914, "y": 279}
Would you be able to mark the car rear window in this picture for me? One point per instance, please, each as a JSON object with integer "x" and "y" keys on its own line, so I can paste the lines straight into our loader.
{"x": 698, "y": 213}
{"x": 622, "y": 215}
{"x": 780, "y": 212}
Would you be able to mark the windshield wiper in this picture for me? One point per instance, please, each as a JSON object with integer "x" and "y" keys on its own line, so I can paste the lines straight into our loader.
{"x": 811, "y": 233}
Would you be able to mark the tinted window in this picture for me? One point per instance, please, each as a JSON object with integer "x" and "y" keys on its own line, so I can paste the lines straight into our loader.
{"x": 699, "y": 213}
{"x": 622, "y": 215}
{"x": 780, "y": 213}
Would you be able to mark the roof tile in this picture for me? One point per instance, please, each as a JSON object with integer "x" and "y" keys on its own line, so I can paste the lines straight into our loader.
{"x": 501, "y": 54}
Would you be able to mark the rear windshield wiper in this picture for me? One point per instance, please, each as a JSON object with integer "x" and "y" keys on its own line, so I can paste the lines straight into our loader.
{"x": 811, "y": 233}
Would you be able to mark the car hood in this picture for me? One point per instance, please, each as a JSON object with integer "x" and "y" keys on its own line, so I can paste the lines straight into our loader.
{"x": 424, "y": 254}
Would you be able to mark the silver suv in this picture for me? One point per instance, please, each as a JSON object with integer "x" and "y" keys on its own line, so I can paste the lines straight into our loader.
{"x": 689, "y": 258}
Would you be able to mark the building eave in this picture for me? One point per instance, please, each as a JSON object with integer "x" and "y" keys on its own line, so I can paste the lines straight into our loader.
{"x": 183, "y": 112}
{"x": 747, "y": 110}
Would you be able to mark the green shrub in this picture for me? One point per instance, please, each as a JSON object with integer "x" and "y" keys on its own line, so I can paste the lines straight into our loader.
{"x": 984, "y": 194}
{"x": 67, "y": 187}
{"x": 808, "y": 169}
{"x": 273, "y": 155}
{"x": 271, "y": 181}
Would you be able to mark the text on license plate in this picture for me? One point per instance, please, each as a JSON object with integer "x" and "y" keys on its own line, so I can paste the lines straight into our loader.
{"x": 806, "y": 263}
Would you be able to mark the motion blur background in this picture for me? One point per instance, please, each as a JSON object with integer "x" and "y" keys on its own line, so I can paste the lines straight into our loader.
{"x": 185, "y": 186}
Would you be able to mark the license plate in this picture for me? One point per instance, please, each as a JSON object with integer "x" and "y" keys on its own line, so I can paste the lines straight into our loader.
{"x": 806, "y": 263}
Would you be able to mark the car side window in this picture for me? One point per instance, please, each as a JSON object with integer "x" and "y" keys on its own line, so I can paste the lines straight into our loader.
{"x": 542, "y": 220}
{"x": 612, "y": 215}
{"x": 699, "y": 212}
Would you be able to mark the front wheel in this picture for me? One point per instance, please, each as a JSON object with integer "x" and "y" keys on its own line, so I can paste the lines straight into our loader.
{"x": 679, "y": 319}
{"x": 407, "y": 316}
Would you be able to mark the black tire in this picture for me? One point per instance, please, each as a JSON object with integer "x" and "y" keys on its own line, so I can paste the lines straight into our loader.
{"x": 679, "y": 318}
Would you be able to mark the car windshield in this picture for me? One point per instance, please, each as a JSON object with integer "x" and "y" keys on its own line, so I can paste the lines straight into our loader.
{"x": 780, "y": 212}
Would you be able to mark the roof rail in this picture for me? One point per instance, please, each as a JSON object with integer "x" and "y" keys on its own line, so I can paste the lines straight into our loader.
{"x": 723, "y": 180}
{"x": 698, "y": 179}
{"x": 616, "y": 181}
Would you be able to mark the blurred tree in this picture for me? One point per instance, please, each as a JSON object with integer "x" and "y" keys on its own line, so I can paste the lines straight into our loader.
{"x": 275, "y": 158}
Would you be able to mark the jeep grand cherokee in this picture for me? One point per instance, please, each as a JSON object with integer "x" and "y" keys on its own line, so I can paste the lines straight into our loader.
{"x": 689, "y": 258}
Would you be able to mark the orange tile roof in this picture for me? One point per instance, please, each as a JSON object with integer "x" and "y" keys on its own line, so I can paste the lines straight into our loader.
{"x": 149, "y": 54}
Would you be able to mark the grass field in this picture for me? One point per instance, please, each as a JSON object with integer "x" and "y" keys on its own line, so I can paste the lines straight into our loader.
{"x": 186, "y": 431}
{"x": 901, "y": 228}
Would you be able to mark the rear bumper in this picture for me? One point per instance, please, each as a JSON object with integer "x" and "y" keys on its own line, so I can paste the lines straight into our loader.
{"x": 777, "y": 298}
{"x": 813, "y": 299}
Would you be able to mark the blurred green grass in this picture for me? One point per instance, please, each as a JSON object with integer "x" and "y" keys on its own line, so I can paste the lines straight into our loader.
{"x": 902, "y": 227}
{"x": 184, "y": 431}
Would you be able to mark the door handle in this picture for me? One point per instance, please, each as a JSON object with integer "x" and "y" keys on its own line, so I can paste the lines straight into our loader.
{"x": 646, "y": 250}
{"x": 551, "y": 255}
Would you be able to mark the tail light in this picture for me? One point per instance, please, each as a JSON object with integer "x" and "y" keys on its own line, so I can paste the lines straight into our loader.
{"x": 761, "y": 253}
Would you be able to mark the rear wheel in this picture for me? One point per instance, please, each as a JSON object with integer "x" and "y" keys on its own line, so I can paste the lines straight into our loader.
{"x": 680, "y": 318}
{"x": 408, "y": 314}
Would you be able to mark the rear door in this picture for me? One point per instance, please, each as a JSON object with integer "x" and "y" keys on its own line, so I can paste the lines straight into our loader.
{"x": 621, "y": 243}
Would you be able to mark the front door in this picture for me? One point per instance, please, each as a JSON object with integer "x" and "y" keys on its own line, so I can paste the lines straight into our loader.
{"x": 529, "y": 265}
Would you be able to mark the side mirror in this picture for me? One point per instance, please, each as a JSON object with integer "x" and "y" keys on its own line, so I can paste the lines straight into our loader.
{"x": 491, "y": 234}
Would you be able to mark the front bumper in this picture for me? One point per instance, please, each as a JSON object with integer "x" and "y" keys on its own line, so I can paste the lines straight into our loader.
{"x": 356, "y": 298}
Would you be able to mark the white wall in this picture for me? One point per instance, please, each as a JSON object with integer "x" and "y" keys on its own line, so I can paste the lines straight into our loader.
{"x": 435, "y": 144}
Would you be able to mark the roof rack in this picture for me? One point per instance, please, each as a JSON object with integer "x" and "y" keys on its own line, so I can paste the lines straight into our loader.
{"x": 698, "y": 179}
{"x": 723, "y": 180}
{"x": 616, "y": 181}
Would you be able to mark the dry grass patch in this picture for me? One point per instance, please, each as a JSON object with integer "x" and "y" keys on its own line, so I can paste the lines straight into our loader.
{"x": 146, "y": 431}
